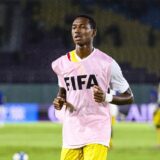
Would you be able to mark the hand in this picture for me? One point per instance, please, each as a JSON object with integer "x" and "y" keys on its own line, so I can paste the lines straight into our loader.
{"x": 70, "y": 107}
{"x": 98, "y": 94}
{"x": 58, "y": 103}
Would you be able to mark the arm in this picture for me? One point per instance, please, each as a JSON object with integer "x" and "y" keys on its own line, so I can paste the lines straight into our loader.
{"x": 121, "y": 99}
{"x": 60, "y": 99}
{"x": 117, "y": 83}
{"x": 62, "y": 93}
{"x": 120, "y": 84}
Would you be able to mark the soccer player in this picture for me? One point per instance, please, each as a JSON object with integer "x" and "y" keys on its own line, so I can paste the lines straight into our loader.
{"x": 156, "y": 117}
{"x": 156, "y": 121}
{"x": 84, "y": 76}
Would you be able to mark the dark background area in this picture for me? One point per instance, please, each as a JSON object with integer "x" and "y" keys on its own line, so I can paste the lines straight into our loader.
{"x": 35, "y": 32}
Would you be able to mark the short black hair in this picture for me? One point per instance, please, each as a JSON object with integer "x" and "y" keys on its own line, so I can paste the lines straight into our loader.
{"x": 91, "y": 20}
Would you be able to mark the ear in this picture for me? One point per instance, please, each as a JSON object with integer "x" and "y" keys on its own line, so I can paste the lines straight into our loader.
{"x": 94, "y": 32}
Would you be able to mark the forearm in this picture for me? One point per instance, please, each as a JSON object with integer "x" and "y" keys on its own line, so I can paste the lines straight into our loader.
{"x": 123, "y": 98}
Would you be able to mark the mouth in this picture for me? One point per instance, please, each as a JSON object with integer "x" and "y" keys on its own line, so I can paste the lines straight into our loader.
{"x": 77, "y": 37}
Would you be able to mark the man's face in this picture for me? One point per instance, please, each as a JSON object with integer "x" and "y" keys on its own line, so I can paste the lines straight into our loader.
{"x": 82, "y": 32}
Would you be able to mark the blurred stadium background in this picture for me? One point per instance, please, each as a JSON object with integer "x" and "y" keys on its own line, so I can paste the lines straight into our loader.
{"x": 35, "y": 32}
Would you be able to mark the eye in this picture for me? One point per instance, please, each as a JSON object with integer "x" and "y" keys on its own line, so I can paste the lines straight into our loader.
{"x": 83, "y": 26}
{"x": 73, "y": 27}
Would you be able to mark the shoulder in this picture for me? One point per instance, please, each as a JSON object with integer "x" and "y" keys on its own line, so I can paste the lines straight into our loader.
{"x": 58, "y": 60}
{"x": 62, "y": 59}
{"x": 116, "y": 70}
{"x": 103, "y": 55}
{"x": 115, "y": 66}
{"x": 58, "y": 63}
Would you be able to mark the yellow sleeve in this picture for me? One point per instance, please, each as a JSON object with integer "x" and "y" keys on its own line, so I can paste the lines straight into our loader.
{"x": 156, "y": 117}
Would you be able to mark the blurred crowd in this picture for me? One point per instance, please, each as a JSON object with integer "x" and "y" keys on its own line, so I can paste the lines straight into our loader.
{"x": 33, "y": 33}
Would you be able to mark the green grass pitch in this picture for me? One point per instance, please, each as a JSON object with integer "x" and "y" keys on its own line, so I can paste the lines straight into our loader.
{"x": 42, "y": 141}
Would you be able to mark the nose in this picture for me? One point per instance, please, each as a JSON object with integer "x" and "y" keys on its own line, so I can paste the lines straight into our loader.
{"x": 77, "y": 30}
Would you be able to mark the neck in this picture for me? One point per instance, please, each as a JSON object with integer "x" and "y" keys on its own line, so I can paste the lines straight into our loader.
{"x": 84, "y": 51}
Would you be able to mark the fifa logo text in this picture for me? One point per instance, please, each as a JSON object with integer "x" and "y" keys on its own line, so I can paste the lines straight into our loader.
{"x": 80, "y": 82}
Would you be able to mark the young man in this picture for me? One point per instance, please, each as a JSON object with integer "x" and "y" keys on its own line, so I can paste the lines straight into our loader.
{"x": 84, "y": 76}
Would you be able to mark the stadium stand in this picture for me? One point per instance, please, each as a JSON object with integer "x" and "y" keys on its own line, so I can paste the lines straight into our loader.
{"x": 44, "y": 36}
